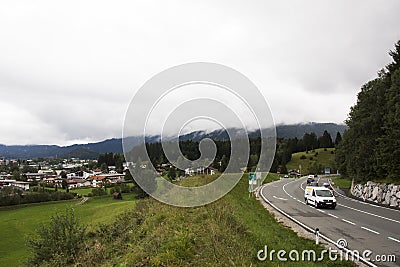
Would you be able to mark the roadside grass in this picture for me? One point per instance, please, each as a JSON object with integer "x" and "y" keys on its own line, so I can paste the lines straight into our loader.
{"x": 227, "y": 232}
{"x": 146, "y": 232}
{"x": 341, "y": 182}
{"x": 325, "y": 158}
{"x": 19, "y": 221}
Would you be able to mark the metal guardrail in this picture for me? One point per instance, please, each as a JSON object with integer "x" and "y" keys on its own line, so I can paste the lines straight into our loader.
{"x": 309, "y": 229}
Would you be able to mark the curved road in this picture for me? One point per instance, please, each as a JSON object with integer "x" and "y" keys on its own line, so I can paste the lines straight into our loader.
{"x": 364, "y": 226}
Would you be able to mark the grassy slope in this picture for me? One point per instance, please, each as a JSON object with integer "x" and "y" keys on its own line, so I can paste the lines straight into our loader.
{"x": 324, "y": 157}
{"x": 16, "y": 223}
{"x": 341, "y": 182}
{"x": 228, "y": 232}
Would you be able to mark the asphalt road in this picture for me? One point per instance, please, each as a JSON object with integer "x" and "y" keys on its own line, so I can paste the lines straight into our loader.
{"x": 362, "y": 225}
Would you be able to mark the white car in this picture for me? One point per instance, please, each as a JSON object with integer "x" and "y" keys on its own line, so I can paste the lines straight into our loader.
{"x": 319, "y": 197}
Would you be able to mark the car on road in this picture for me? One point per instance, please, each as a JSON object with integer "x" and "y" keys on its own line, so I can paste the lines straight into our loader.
{"x": 310, "y": 179}
{"x": 319, "y": 197}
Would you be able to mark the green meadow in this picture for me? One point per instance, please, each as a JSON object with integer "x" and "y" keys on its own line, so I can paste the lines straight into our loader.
{"x": 317, "y": 156}
{"x": 18, "y": 222}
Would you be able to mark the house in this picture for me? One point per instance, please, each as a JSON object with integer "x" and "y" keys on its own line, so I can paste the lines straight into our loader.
{"x": 76, "y": 183}
{"x": 189, "y": 171}
{"x": 97, "y": 181}
{"x": 201, "y": 170}
{"x": 109, "y": 178}
{"x": 14, "y": 183}
{"x": 30, "y": 177}
{"x": 55, "y": 181}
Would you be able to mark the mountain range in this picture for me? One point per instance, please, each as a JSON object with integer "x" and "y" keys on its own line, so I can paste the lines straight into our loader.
{"x": 92, "y": 150}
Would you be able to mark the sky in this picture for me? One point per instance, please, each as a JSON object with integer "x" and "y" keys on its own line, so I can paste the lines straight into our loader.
{"x": 69, "y": 69}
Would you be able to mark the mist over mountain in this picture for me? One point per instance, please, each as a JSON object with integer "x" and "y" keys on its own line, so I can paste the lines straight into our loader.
{"x": 92, "y": 150}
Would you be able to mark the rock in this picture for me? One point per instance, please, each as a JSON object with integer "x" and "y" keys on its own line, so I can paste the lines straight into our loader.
{"x": 379, "y": 197}
{"x": 387, "y": 199}
{"x": 398, "y": 195}
{"x": 375, "y": 192}
{"x": 393, "y": 201}
{"x": 394, "y": 190}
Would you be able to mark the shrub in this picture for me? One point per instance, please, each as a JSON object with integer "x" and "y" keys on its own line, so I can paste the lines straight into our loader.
{"x": 98, "y": 192}
{"x": 303, "y": 157}
{"x": 58, "y": 241}
{"x": 311, "y": 158}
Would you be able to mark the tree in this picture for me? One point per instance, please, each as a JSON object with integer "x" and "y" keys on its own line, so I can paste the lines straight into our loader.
{"x": 59, "y": 240}
{"x": 224, "y": 163}
{"x": 310, "y": 141}
{"x": 370, "y": 148}
{"x": 104, "y": 168}
{"x": 63, "y": 175}
{"x": 338, "y": 139}
{"x": 325, "y": 141}
{"x": 171, "y": 173}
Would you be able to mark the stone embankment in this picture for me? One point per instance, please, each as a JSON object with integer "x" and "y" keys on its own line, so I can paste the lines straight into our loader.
{"x": 386, "y": 194}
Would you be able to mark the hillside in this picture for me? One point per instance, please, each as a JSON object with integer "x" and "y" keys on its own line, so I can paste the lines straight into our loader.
{"x": 228, "y": 232}
{"x": 92, "y": 150}
{"x": 316, "y": 159}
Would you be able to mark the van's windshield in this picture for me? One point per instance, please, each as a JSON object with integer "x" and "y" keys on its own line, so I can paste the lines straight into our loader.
{"x": 323, "y": 193}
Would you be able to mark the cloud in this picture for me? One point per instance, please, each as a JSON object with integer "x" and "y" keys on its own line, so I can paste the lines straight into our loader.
{"x": 68, "y": 69}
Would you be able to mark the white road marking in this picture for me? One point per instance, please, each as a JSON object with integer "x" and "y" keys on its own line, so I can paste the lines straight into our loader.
{"x": 394, "y": 239}
{"x": 372, "y": 231}
{"x": 279, "y": 198}
{"x": 310, "y": 229}
{"x": 348, "y": 222}
{"x": 334, "y": 216}
{"x": 369, "y": 213}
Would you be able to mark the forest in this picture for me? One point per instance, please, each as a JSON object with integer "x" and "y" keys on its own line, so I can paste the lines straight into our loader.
{"x": 371, "y": 146}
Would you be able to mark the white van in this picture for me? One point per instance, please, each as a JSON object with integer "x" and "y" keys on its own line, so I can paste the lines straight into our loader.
{"x": 319, "y": 197}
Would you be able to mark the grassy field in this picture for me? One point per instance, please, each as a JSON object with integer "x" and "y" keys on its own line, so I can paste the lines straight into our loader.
{"x": 227, "y": 232}
{"x": 16, "y": 223}
{"x": 341, "y": 182}
{"x": 318, "y": 156}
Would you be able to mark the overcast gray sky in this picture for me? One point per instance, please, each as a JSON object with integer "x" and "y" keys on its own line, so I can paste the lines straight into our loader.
{"x": 68, "y": 69}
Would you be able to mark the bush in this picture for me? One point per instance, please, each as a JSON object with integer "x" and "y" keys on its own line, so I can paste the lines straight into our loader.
{"x": 58, "y": 241}
{"x": 34, "y": 197}
{"x": 303, "y": 157}
{"x": 311, "y": 158}
{"x": 98, "y": 192}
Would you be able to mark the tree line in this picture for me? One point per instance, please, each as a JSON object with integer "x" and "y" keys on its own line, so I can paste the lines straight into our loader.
{"x": 283, "y": 152}
{"x": 371, "y": 145}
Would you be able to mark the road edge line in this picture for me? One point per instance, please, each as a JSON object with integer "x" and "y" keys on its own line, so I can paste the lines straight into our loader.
{"x": 311, "y": 230}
